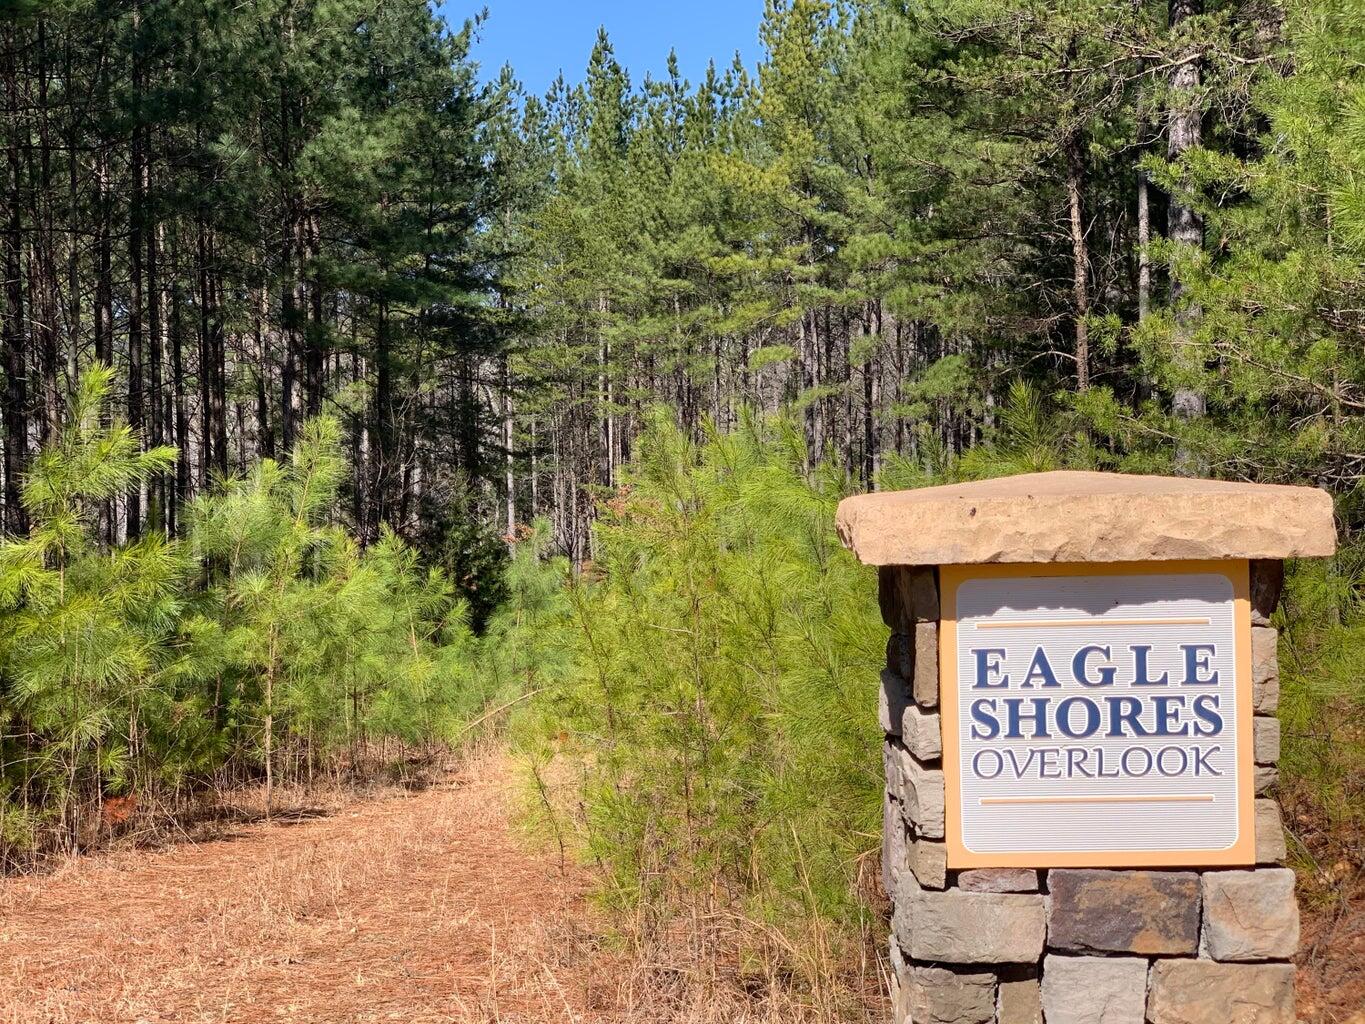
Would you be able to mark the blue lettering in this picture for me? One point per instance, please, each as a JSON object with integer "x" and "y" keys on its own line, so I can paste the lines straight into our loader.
{"x": 1140, "y": 652}
{"x": 1014, "y": 715}
{"x": 1078, "y": 667}
{"x": 1168, "y": 715}
{"x": 1210, "y": 718}
{"x": 1092, "y": 717}
{"x": 1197, "y": 662}
{"x": 985, "y": 725}
{"x": 1039, "y": 668}
{"x": 987, "y": 667}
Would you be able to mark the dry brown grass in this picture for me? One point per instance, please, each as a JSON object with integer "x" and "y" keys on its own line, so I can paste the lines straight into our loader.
{"x": 420, "y": 906}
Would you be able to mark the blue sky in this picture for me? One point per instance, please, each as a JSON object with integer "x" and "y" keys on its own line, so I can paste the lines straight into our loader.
{"x": 539, "y": 37}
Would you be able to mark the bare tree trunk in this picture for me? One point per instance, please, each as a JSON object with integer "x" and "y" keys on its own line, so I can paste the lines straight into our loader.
{"x": 1080, "y": 260}
{"x": 16, "y": 376}
{"x": 1185, "y": 226}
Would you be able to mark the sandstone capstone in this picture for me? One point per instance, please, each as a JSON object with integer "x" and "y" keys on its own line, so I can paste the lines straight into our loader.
{"x": 1086, "y": 517}
{"x": 1094, "y": 989}
{"x": 1153, "y": 913}
{"x": 1250, "y": 915}
{"x": 1200, "y": 991}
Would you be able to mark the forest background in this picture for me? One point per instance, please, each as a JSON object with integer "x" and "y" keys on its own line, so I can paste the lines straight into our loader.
{"x": 352, "y": 408}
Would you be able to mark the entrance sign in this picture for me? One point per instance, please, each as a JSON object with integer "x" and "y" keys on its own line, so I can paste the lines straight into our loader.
{"x": 1097, "y": 714}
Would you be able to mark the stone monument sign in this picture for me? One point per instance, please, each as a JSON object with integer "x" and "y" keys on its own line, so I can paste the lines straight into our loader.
{"x": 1079, "y": 705}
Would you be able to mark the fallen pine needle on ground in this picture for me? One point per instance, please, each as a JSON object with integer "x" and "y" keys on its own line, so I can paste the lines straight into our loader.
{"x": 420, "y": 908}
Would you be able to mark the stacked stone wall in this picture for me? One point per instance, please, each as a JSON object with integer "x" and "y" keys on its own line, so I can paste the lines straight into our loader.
{"x": 1071, "y": 946}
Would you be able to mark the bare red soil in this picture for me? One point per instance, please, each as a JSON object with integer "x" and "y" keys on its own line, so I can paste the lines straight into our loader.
{"x": 419, "y": 908}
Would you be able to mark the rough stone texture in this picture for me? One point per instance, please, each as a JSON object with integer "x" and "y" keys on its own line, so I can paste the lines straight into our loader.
{"x": 1019, "y": 997}
{"x": 969, "y": 927}
{"x": 929, "y": 863}
{"x": 925, "y": 686}
{"x": 921, "y": 733}
{"x": 921, "y": 795}
{"x": 1267, "y": 778}
{"x": 1265, "y": 670}
{"x": 998, "y": 880}
{"x": 888, "y": 597}
{"x": 1266, "y": 745}
{"x": 891, "y": 767}
{"x": 1250, "y": 915}
{"x": 919, "y": 593}
{"x": 893, "y": 697}
{"x": 1094, "y": 989}
{"x": 1267, "y": 579}
{"x": 1086, "y": 517}
{"x": 1155, "y": 913}
{"x": 895, "y": 844}
{"x": 1200, "y": 992}
{"x": 941, "y": 996}
{"x": 1270, "y": 842}
{"x": 900, "y": 654}
{"x": 900, "y": 984}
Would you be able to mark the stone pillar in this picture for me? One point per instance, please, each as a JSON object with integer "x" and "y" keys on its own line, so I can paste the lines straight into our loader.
{"x": 1068, "y": 945}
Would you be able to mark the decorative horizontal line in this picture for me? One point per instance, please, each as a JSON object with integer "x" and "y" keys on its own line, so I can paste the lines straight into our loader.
{"x": 1174, "y": 798}
{"x": 1194, "y": 620}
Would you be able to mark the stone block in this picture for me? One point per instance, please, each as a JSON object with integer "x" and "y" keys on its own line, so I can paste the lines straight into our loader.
{"x": 1153, "y": 913}
{"x": 1018, "y": 997}
{"x": 1086, "y": 517}
{"x": 998, "y": 880}
{"x": 1201, "y": 992}
{"x": 921, "y": 795}
{"x": 1270, "y": 842}
{"x": 959, "y": 927}
{"x": 888, "y": 596}
{"x": 941, "y": 996}
{"x": 922, "y": 733}
{"x": 893, "y": 696}
{"x": 895, "y": 844}
{"x": 1267, "y": 579}
{"x": 929, "y": 863}
{"x": 1094, "y": 989}
{"x": 1250, "y": 915}
{"x": 900, "y": 984}
{"x": 1266, "y": 739}
{"x": 919, "y": 593}
{"x": 925, "y": 687}
{"x": 900, "y": 654}
{"x": 1265, "y": 670}
{"x": 1267, "y": 778}
{"x": 891, "y": 766}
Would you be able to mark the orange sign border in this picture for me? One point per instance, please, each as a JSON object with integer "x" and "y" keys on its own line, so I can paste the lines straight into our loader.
{"x": 1240, "y": 853}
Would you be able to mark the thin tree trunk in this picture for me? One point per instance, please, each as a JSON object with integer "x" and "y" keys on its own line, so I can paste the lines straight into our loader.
{"x": 16, "y": 375}
{"x": 1080, "y": 261}
{"x": 1185, "y": 226}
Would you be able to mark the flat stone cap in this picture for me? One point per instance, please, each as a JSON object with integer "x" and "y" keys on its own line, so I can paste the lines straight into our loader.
{"x": 1087, "y": 517}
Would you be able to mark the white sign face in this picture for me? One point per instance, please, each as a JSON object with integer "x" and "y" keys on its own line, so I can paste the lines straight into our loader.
{"x": 1098, "y": 719}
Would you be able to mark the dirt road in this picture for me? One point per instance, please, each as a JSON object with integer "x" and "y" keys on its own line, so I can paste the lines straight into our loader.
{"x": 418, "y": 908}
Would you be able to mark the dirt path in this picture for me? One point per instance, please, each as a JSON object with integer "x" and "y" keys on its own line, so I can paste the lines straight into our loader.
{"x": 421, "y": 908}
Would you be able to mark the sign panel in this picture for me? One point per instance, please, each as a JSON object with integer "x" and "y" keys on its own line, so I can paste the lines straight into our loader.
{"x": 1097, "y": 715}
